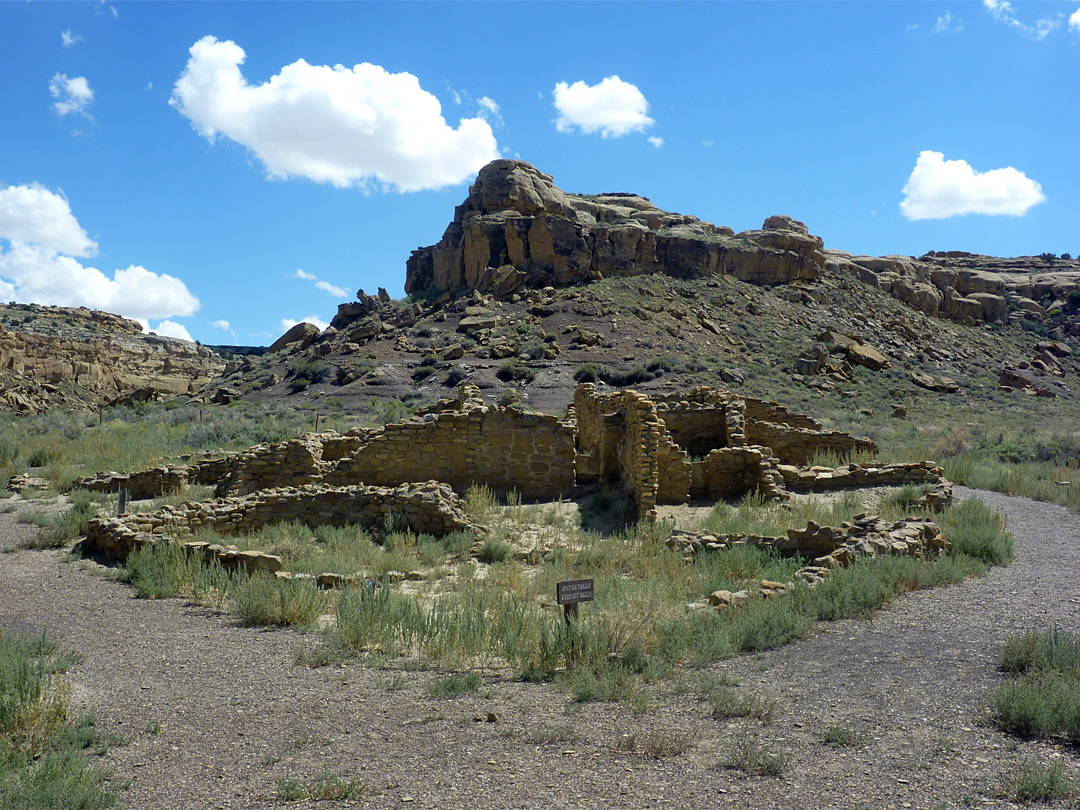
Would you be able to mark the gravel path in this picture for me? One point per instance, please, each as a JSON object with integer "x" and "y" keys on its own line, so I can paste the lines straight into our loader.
{"x": 213, "y": 715}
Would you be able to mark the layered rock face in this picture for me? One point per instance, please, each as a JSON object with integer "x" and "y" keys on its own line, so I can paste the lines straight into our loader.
{"x": 518, "y": 228}
{"x": 81, "y": 358}
{"x": 966, "y": 286}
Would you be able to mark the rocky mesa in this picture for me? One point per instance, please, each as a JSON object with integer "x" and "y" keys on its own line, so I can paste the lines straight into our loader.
{"x": 80, "y": 358}
{"x": 517, "y": 228}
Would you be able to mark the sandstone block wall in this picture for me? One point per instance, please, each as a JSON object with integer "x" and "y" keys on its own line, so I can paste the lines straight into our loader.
{"x": 831, "y": 547}
{"x": 504, "y": 448}
{"x": 861, "y": 475}
{"x": 150, "y": 483}
{"x": 427, "y": 508}
{"x": 800, "y": 445}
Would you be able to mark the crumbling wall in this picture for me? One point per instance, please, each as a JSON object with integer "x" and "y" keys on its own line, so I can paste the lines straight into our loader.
{"x": 800, "y": 445}
{"x": 426, "y": 508}
{"x": 504, "y": 448}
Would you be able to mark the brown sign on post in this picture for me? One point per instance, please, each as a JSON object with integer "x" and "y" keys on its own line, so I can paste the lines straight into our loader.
{"x": 572, "y": 591}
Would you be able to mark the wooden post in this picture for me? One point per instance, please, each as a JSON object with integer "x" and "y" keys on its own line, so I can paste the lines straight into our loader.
{"x": 316, "y": 421}
{"x": 123, "y": 501}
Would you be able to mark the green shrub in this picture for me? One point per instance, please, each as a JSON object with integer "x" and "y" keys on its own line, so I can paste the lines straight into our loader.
{"x": 263, "y": 600}
{"x": 453, "y": 686}
{"x": 1042, "y": 694}
{"x": 836, "y": 736}
{"x": 747, "y": 754}
{"x": 763, "y": 624}
{"x": 493, "y": 551}
{"x": 1036, "y": 782}
{"x": 977, "y": 531}
{"x": 41, "y": 759}
{"x": 326, "y": 787}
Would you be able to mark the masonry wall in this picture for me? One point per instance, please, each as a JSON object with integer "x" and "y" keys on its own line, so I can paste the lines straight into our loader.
{"x": 505, "y": 449}
{"x": 427, "y": 508}
{"x": 800, "y": 445}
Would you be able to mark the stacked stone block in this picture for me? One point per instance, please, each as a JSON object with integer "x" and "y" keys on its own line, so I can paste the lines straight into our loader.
{"x": 426, "y": 508}
{"x": 830, "y": 547}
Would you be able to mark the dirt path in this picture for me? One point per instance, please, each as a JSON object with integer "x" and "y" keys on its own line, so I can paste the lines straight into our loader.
{"x": 214, "y": 715}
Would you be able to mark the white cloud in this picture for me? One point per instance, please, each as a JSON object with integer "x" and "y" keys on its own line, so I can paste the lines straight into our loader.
{"x": 223, "y": 325}
{"x": 657, "y": 142}
{"x": 33, "y": 214}
{"x": 706, "y": 143}
{"x": 1074, "y": 21}
{"x": 1003, "y": 11}
{"x": 333, "y": 289}
{"x": 613, "y": 108}
{"x": 359, "y": 127}
{"x": 43, "y": 235}
{"x": 69, "y": 38}
{"x": 172, "y": 329}
{"x": 939, "y": 188}
{"x": 325, "y": 286}
{"x": 73, "y": 95}
{"x": 289, "y": 323}
{"x": 947, "y": 24}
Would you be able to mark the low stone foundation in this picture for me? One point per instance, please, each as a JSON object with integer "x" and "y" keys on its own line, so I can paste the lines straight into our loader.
{"x": 831, "y": 548}
{"x": 427, "y": 508}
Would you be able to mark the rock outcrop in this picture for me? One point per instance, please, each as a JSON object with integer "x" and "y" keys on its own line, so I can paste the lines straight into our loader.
{"x": 518, "y": 228}
{"x": 82, "y": 358}
{"x": 967, "y": 287}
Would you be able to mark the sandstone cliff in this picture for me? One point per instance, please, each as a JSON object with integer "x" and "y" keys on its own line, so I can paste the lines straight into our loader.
{"x": 517, "y": 228}
{"x": 81, "y": 358}
{"x": 968, "y": 287}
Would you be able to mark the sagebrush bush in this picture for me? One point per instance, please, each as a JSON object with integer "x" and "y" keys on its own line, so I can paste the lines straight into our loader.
{"x": 1042, "y": 694}
{"x": 41, "y": 749}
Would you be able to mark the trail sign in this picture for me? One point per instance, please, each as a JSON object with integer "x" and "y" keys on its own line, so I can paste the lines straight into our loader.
{"x": 573, "y": 591}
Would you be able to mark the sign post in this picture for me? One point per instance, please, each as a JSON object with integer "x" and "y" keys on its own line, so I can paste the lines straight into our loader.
{"x": 570, "y": 593}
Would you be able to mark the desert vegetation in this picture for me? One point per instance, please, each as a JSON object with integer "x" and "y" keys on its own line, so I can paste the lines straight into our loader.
{"x": 488, "y": 605}
{"x": 45, "y": 752}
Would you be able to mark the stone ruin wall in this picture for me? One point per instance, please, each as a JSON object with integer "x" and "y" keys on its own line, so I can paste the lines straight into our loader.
{"x": 503, "y": 448}
{"x": 830, "y": 548}
{"x": 622, "y": 438}
{"x": 425, "y": 508}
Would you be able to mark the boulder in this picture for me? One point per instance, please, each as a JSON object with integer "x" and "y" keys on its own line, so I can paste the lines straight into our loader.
{"x": 866, "y": 355}
{"x": 302, "y": 333}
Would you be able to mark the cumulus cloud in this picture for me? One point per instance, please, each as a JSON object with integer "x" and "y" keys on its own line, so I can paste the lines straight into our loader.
{"x": 657, "y": 142}
{"x": 33, "y": 214}
{"x": 69, "y": 38}
{"x": 359, "y": 126}
{"x": 1003, "y": 11}
{"x": 325, "y": 286}
{"x": 42, "y": 236}
{"x": 613, "y": 108}
{"x": 289, "y": 323}
{"x": 223, "y": 325}
{"x": 171, "y": 329}
{"x": 939, "y": 188}
{"x": 333, "y": 289}
{"x": 72, "y": 95}
{"x": 1074, "y": 21}
{"x": 947, "y": 24}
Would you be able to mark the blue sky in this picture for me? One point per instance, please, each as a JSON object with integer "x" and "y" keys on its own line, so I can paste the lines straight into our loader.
{"x": 205, "y": 167}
